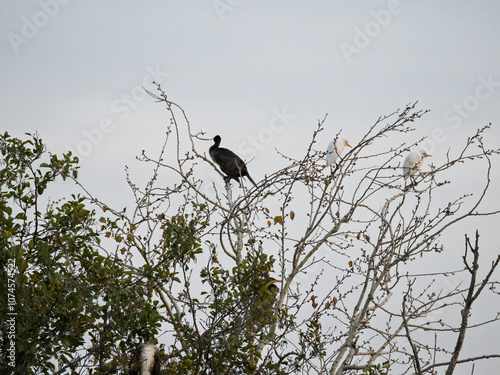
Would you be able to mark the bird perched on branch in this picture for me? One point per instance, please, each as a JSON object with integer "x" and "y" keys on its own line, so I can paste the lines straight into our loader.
{"x": 335, "y": 149}
{"x": 230, "y": 163}
{"x": 146, "y": 360}
{"x": 413, "y": 162}
{"x": 264, "y": 302}
{"x": 271, "y": 287}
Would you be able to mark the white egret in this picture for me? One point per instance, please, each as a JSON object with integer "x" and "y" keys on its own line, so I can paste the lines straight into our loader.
{"x": 413, "y": 162}
{"x": 146, "y": 360}
{"x": 335, "y": 149}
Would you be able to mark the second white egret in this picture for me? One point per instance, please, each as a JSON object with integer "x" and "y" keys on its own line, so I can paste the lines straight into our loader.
{"x": 413, "y": 162}
{"x": 335, "y": 149}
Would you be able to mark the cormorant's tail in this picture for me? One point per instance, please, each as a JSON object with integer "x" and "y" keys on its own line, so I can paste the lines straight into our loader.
{"x": 251, "y": 180}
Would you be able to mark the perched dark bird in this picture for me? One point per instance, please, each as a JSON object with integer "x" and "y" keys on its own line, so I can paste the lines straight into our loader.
{"x": 146, "y": 360}
{"x": 230, "y": 163}
{"x": 263, "y": 305}
{"x": 266, "y": 297}
{"x": 272, "y": 287}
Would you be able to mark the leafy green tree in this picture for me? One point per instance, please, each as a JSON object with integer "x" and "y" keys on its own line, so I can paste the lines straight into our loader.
{"x": 75, "y": 305}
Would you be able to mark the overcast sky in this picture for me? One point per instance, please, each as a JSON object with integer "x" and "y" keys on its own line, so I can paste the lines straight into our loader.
{"x": 258, "y": 73}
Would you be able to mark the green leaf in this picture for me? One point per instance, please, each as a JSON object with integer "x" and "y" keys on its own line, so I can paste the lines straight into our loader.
{"x": 22, "y": 266}
{"x": 20, "y": 252}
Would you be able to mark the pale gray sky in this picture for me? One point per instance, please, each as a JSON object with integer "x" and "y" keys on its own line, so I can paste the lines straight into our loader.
{"x": 260, "y": 74}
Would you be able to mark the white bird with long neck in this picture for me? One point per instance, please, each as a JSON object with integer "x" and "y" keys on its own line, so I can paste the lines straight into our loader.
{"x": 146, "y": 360}
{"x": 413, "y": 162}
{"x": 335, "y": 149}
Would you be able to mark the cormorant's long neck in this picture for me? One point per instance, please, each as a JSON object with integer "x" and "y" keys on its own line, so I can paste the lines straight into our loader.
{"x": 216, "y": 144}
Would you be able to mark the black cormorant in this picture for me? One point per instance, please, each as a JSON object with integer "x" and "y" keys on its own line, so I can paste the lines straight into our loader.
{"x": 230, "y": 163}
